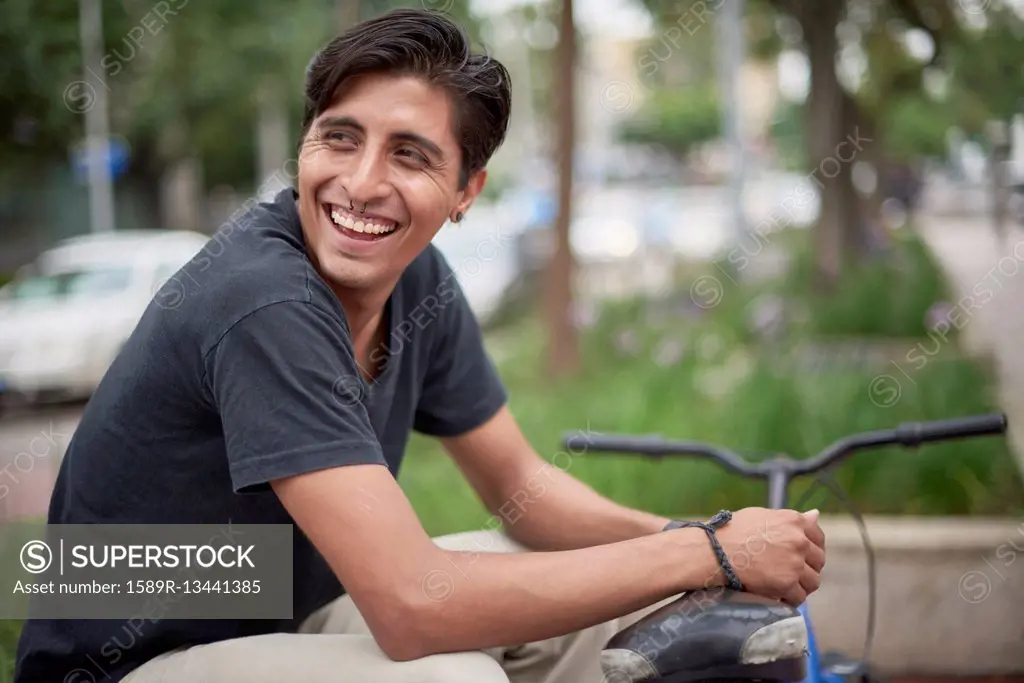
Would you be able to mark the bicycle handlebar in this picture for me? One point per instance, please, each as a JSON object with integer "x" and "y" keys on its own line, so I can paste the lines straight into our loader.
{"x": 908, "y": 435}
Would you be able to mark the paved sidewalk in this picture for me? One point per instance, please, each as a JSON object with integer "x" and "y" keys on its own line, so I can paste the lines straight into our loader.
{"x": 32, "y": 446}
{"x": 988, "y": 285}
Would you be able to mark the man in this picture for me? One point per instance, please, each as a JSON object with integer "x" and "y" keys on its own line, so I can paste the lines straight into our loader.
{"x": 284, "y": 383}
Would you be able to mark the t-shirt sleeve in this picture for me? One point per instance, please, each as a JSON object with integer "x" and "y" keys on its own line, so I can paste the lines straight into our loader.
{"x": 287, "y": 388}
{"x": 462, "y": 388}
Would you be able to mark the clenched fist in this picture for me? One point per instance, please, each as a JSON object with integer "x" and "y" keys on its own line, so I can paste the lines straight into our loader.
{"x": 775, "y": 553}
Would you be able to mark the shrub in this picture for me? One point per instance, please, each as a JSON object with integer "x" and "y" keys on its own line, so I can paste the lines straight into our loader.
{"x": 672, "y": 368}
{"x": 887, "y": 296}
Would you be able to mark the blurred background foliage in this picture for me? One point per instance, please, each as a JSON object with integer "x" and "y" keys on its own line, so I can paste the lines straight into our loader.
{"x": 782, "y": 364}
{"x": 194, "y": 81}
{"x": 790, "y": 382}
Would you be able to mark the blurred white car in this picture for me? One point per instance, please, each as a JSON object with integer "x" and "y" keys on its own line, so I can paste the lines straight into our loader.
{"x": 64, "y": 318}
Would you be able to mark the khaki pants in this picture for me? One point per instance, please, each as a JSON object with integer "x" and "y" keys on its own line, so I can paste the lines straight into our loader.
{"x": 334, "y": 645}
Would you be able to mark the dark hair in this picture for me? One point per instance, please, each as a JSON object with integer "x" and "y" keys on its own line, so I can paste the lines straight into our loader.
{"x": 428, "y": 45}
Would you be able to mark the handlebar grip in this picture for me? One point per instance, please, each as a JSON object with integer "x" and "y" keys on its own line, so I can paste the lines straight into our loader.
{"x": 574, "y": 442}
{"x": 609, "y": 444}
{"x": 915, "y": 433}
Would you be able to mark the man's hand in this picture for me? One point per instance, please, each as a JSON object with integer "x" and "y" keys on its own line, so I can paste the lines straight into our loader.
{"x": 775, "y": 553}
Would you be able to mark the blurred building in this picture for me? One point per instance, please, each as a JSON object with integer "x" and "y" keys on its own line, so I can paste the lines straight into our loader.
{"x": 610, "y": 88}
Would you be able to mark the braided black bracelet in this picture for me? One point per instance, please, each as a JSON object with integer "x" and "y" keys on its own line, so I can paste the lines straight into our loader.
{"x": 716, "y": 522}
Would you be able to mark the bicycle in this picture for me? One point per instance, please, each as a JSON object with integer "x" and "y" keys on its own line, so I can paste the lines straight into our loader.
{"x": 717, "y": 634}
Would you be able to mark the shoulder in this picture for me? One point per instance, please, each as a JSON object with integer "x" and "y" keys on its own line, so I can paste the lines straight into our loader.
{"x": 430, "y": 278}
{"x": 254, "y": 260}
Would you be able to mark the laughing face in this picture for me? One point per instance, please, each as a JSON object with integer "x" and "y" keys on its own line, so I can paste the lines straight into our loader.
{"x": 378, "y": 177}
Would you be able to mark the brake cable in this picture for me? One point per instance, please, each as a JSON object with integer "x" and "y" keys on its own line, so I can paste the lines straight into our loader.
{"x": 825, "y": 479}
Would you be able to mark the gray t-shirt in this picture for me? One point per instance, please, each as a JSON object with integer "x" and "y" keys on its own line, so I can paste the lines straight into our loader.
{"x": 242, "y": 371}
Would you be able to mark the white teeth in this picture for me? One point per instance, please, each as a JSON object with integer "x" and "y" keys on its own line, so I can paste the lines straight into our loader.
{"x": 360, "y": 226}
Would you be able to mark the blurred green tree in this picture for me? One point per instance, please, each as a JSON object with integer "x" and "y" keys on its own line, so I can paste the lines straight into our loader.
{"x": 191, "y": 86}
{"x": 880, "y": 115}
{"x": 987, "y": 71}
{"x": 914, "y": 128}
{"x": 40, "y": 82}
{"x": 676, "y": 119}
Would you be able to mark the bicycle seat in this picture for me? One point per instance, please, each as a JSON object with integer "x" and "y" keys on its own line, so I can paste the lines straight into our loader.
{"x": 710, "y": 635}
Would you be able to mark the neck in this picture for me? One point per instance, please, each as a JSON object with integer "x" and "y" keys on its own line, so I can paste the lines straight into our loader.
{"x": 363, "y": 312}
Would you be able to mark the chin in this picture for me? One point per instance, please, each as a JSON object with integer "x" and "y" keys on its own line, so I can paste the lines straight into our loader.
{"x": 347, "y": 273}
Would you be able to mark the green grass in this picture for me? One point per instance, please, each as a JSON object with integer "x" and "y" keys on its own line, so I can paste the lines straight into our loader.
{"x": 888, "y": 296}
{"x": 9, "y": 632}
{"x": 767, "y": 404}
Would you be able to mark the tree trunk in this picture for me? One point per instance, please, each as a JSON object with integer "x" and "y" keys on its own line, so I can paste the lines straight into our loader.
{"x": 183, "y": 199}
{"x": 181, "y": 184}
{"x": 824, "y": 112}
{"x": 883, "y": 166}
{"x": 858, "y": 213}
{"x": 563, "y": 350}
{"x": 272, "y": 141}
{"x": 182, "y": 196}
{"x": 1000, "y": 196}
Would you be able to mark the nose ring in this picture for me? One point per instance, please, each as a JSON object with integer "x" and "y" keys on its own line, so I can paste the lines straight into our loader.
{"x": 351, "y": 207}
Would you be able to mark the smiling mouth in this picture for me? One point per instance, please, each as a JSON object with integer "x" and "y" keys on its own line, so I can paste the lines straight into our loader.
{"x": 357, "y": 227}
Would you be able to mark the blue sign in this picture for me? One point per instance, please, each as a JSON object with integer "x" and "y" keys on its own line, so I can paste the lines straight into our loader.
{"x": 114, "y": 156}
{"x": 543, "y": 209}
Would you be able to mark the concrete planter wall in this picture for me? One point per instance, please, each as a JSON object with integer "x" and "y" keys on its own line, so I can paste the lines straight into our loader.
{"x": 950, "y": 594}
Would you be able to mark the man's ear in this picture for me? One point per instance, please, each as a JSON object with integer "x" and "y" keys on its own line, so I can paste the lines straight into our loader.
{"x": 469, "y": 194}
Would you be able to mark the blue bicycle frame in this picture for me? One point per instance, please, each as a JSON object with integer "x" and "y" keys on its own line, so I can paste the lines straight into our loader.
{"x": 815, "y": 673}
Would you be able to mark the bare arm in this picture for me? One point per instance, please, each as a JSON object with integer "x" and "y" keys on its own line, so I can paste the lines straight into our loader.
{"x": 419, "y": 599}
{"x": 540, "y": 503}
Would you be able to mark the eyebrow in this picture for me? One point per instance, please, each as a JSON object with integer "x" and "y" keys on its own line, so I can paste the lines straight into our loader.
{"x": 403, "y": 135}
